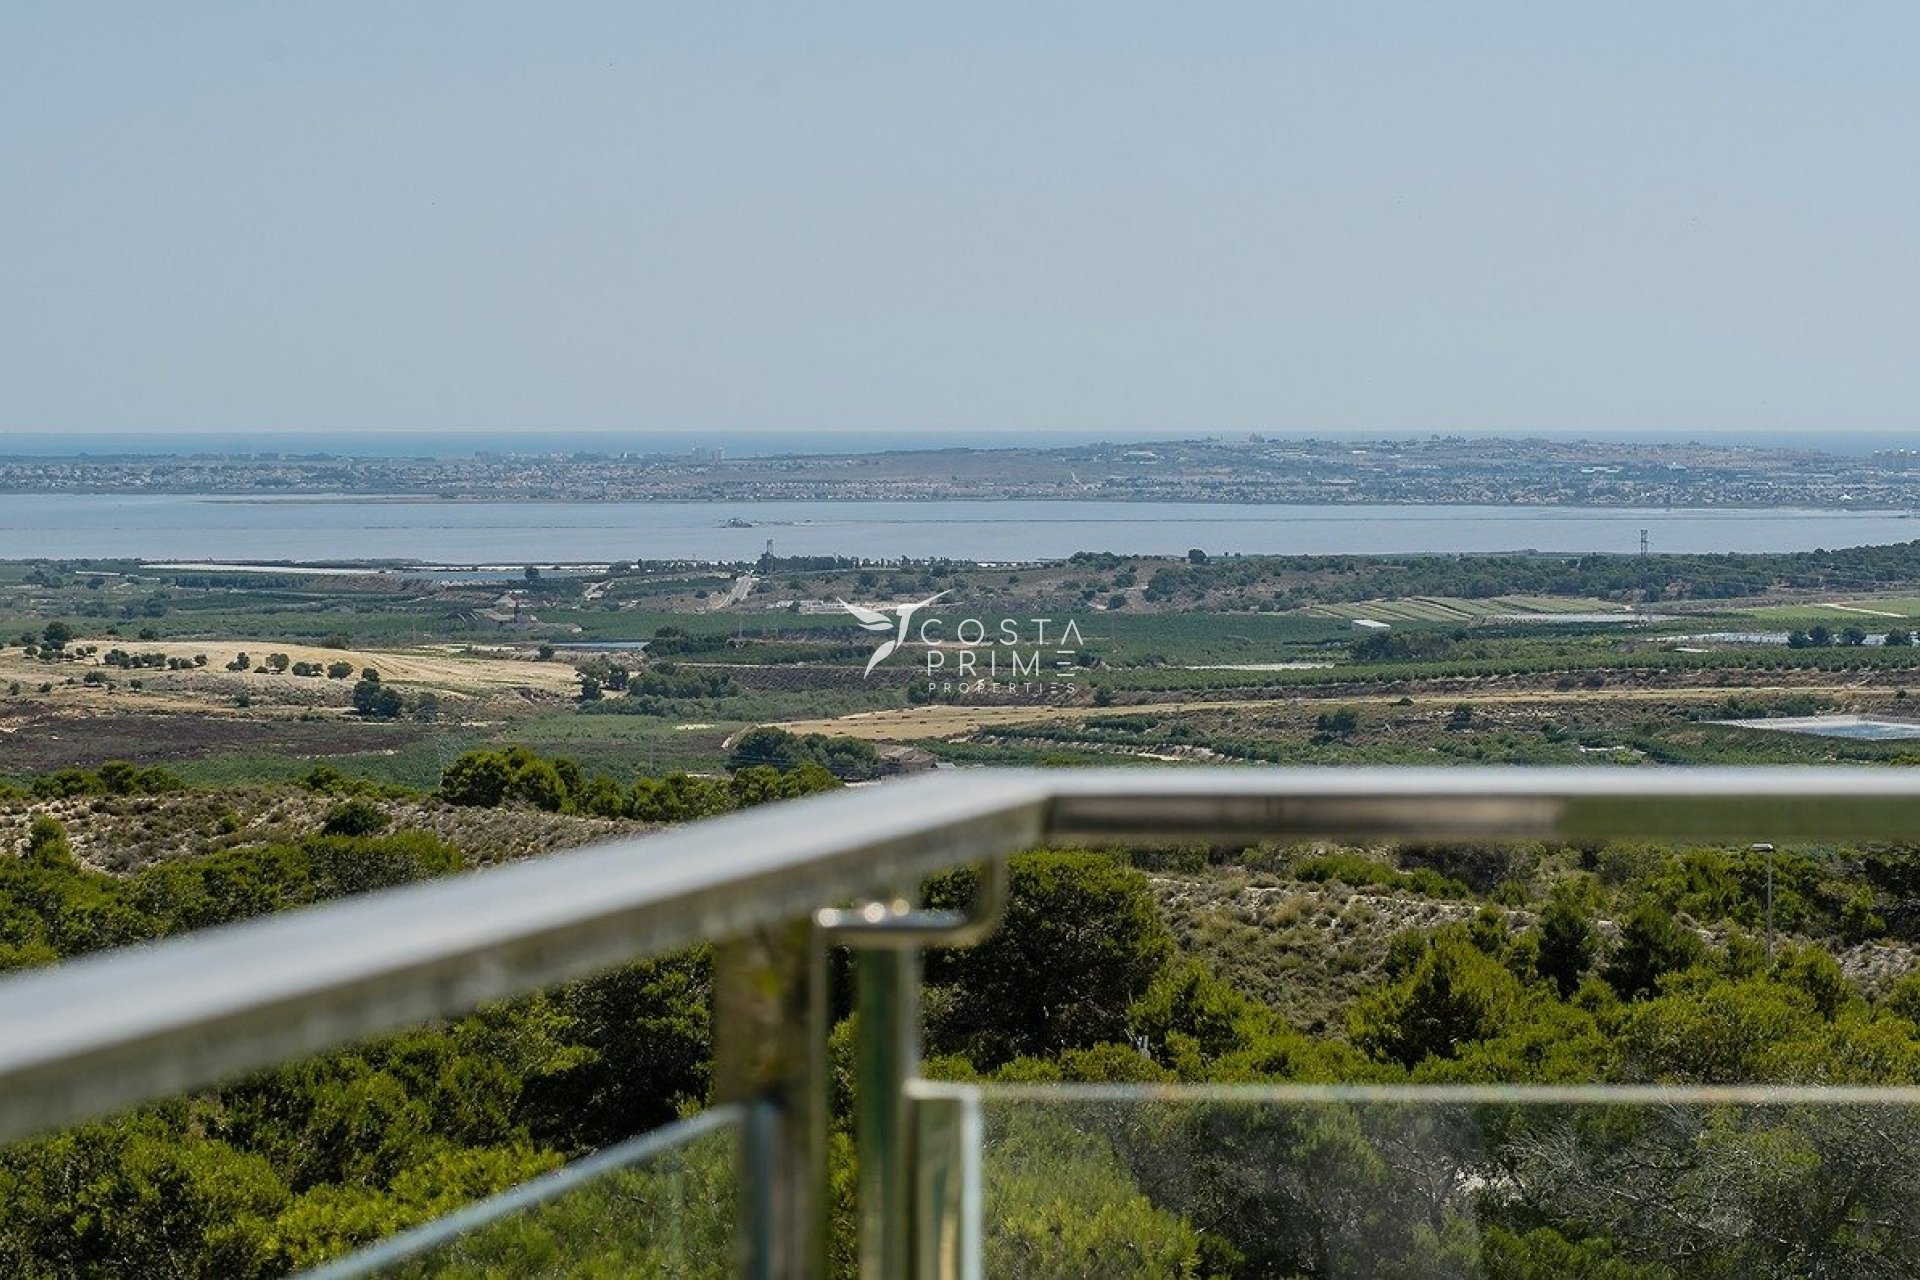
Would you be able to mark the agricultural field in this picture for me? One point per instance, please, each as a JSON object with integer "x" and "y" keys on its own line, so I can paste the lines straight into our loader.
{"x": 260, "y": 674}
{"x": 1869, "y": 612}
{"x": 1456, "y": 609}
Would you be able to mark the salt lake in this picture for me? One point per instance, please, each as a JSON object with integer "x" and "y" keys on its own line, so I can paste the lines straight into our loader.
{"x": 192, "y": 527}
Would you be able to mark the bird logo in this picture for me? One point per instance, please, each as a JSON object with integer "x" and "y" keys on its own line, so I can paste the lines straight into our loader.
{"x": 877, "y": 620}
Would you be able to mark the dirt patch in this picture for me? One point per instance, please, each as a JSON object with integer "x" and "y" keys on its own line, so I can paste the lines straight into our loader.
{"x": 36, "y": 738}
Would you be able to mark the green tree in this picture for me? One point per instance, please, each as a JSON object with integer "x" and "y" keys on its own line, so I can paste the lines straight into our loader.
{"x": 478, "y": 778}
{"x": 629, "y": 1048}
{"x": 132, "y": 1198}
{"x": 1567, "y": 943}
{"x": 678, "y": 797}
{"x": 1712, "y": 1031}
{"x": 375, "y": 701}
{"x": 1545, "y": 1254}
{"x": 1652, "y": 944}
{"x": 1456, "y": 994}
{"x": 1081, "y": 941}
{"x": 538, "y": 783}
{"x": 1337, "y": 724}
{"x": 1188, "y": 1009}
{"x": 47, "y": 845}
{"x": 353, "y": 818}
{"x": 1067, "y": 1206}
{"x": 844, "y": 757}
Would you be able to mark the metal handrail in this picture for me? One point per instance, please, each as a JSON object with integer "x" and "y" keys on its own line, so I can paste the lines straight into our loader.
{"x": 109, "y": 1031}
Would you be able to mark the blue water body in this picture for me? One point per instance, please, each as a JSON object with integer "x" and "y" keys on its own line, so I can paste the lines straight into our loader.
{"x": 167, "y": 526}
{"x": 1857, "y": 728}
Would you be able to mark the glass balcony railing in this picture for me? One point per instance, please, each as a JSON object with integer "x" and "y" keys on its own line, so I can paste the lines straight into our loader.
{"x": 655, "y": 1207}
{"x": 960, "y": 1181}
{"x": 1348, "y": 1182}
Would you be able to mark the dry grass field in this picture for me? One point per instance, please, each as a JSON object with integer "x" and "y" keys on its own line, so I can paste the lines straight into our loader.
{"x": 152, "y": 714}
{"x": 445, "y": 670}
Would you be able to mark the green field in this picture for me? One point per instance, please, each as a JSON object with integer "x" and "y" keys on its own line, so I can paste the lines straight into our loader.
{"x": 1458, "y": 609}
{"x": 1872, "y": 612}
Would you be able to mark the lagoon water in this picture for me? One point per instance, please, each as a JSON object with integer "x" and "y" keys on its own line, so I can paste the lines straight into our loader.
{"x": 1858, "y": 728}
{"x": 189, "y": 527}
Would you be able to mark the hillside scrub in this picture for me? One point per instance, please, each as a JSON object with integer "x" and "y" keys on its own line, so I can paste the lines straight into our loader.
{"x": 519, "y": 776}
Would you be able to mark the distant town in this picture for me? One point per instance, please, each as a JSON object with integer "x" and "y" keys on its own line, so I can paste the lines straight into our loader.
{"x": 1438, "y": 469}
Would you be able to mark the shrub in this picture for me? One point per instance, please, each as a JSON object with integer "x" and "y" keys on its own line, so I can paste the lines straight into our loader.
{"x": 375, "y": 701}
{"x": 1081, "y": 942}
{"x": 354, "y": 818}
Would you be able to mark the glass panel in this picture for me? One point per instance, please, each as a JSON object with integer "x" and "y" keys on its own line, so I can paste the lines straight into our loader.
{"x": 661, "y": 1205}
{"x": 1632, "y": 1185}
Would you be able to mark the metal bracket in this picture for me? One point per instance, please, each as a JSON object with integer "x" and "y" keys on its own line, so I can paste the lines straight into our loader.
{"x": 896, "y": 925}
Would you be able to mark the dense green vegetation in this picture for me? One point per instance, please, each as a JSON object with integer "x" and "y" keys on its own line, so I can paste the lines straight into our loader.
{"x": 846, "y": 758}
{"x": 1647, "y": 578}
{"x": 488, "y": 779}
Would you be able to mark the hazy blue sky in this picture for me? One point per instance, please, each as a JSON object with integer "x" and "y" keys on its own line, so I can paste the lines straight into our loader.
{"x": 1260, "y": 216}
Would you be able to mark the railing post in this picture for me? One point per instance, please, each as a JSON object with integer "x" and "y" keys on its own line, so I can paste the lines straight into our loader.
{"x": 949, "y": 1231}
{"x": 886, "y": 938}
{"x": 768, "y": 1046}
{"x": 886, "y": 1056}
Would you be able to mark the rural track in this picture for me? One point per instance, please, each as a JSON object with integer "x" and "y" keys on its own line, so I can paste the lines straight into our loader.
{"x": 910, "y": 723}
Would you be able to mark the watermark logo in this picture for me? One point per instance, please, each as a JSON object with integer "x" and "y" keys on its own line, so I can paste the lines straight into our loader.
{"x": 877, "y": 620}
{"x": 1009, "y": 655}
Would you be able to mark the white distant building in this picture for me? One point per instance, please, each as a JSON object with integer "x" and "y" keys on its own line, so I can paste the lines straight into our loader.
{"x": 1371, "y": 624}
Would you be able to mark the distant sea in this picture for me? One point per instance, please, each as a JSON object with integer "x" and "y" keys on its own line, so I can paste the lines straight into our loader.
{"x": 186, "y": 527}
{"x": 464, "y": 444}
